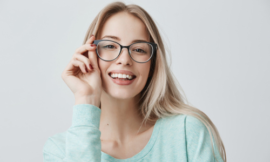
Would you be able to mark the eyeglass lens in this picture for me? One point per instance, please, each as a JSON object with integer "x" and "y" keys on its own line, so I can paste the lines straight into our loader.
{"x": 109, "y": 50}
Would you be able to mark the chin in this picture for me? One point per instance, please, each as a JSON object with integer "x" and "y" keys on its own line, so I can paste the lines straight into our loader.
{"x": 121, "y": 94}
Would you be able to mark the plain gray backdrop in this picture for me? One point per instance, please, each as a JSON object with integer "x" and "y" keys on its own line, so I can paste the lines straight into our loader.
{"x": 220, "y": 56}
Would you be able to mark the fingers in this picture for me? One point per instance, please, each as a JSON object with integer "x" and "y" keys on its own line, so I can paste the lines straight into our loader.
{"x": 92, "y": 55}
{"x": 93, "y": 59}
{"x": 82, "y": 49}
{"x": 83, "y": 59}
{"x": 79, "y": 64}
{"x": 90, "y": 40}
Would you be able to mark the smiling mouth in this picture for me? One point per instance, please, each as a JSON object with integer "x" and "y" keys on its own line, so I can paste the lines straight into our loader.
{"x": 133, "y": 77}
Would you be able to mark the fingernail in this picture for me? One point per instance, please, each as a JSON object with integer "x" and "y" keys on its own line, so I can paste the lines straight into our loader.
{"x": 92, "y": 35}
{"x": 93, "y": 45}
{"x": 91, "y": 67}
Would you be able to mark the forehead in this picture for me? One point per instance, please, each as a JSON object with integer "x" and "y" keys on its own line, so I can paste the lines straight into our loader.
{"x": 125, "y": 26}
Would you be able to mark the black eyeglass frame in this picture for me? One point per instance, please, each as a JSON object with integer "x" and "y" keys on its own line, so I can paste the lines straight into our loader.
{"x": 153, "y": 45}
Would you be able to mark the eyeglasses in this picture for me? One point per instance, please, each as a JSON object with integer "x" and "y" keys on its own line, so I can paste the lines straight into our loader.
{"x": 140, "y": 52}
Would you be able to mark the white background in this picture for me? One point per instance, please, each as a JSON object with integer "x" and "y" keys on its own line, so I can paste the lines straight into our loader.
{"x": 220, "y": 56}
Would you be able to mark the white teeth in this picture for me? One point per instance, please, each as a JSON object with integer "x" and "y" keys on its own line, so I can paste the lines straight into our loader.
{"x": 121, "y": 76}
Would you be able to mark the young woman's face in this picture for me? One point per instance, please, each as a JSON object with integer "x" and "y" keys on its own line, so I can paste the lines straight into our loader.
{"x": 125, "y": 28}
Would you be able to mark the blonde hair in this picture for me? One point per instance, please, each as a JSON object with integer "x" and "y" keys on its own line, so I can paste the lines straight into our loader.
{"x": 161, "y": 95}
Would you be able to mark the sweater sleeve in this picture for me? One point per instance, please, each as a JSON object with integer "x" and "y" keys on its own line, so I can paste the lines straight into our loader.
{"x": 199, "y": 146}
{"x": 81, "y": 141}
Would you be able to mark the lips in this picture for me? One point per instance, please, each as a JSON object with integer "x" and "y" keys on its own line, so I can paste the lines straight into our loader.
{"x": 123, "y": 72}
{"x": 121, "y": 81}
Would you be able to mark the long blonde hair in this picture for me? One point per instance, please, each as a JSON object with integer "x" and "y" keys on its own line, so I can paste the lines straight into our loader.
{"x": 162, "y": 95}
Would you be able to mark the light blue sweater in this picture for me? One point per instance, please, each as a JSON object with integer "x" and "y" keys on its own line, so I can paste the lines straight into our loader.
{"x": 179, "y": 138}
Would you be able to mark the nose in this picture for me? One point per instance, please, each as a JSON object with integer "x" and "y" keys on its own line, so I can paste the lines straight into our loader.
{"x": 124, "y": 57}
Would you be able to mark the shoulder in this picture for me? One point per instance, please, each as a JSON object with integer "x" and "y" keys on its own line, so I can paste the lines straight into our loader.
{"x": 186, "y": 126}
{"x": 187, "y": 121}
{"x": 182, "y": 126}
{"x": 192, "y": 123}
{"x": 197, "y": 134}
{"x": 55, "y": 144}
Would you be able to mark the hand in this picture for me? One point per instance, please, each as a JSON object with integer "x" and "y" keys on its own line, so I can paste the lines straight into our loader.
{"x": 84, "y": 81}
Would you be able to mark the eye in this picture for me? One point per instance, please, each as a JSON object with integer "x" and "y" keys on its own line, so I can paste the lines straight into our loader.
{"x": 139, "y": 50}
{"x": 109, "y": 46}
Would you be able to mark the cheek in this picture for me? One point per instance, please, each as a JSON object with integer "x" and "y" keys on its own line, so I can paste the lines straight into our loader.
{"x": 99, "y": 63}
{"x": 144, "y": 73}
{"x": 146, "y": 69}
{"x": 102, "y": 67}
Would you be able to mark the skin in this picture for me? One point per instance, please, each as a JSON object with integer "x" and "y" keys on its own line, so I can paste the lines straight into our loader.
{"x": 120, "y": 120}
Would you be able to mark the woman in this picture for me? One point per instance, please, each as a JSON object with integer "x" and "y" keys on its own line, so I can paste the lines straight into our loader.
{"x": 127, "y": 104}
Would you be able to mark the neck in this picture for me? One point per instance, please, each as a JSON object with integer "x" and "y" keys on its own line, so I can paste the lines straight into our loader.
{"x": 120, "y": 119}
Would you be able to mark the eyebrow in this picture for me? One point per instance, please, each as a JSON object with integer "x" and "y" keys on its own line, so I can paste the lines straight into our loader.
{"x": 116, "y": 38}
